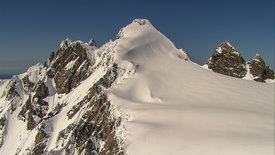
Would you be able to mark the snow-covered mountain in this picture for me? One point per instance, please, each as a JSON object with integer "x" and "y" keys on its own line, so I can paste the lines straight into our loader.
{"x": 138, "y": 95}
{"x": 228, "y": 61}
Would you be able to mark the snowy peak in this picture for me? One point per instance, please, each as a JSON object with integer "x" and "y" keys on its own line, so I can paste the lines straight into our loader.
{"x": 228, "y": 61}
{"x": 70, "y": 64}
{"x": 65, "y": 43}
{"x": 142, "y": 41}
{"x": 226, "y": 47}
{"x": 258, "y": 58}
{"x": 136, "y": 25}
{"x": 260, "y": 70}
{"x": 93, "y": 43}
{"x": 141, "y": 22}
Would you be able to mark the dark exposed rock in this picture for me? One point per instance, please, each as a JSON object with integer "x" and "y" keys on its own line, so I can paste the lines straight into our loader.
{"x": 95, "y": 125}
{"x": 42, "y": 90}
{"x": 260, "y": 70}
{"x": 55, "y": 111}
{"x": 228, "y": 61}
{"x": 68, "y": 78}
{"x": 12, "y": 91}
{"x": 93, "y": 43}
{"x": 2, "y": 122}
{"x": 40, "y": 141}
{"x": 32, "y": 109}
{"x": 108, "y": 79}
{"x": 2, "y": 129}
{"x": 52, "y": 56}
{"x": 27, "y": 113}
{"x": 25, "y": 108}
{"x": 93, "y": 132}
{"x": 40, "y": 108}
{"x": 30, "y": 121}
{"x": 85, "y": 100}
{"x": 27, "y": 84}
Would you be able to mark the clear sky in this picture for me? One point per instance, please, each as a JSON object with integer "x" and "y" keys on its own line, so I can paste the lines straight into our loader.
{"x": 31, "y": 29}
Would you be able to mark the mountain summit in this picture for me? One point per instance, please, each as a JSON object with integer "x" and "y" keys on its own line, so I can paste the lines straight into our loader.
{"x": 136, "y": 95}
{"x": 227, "y": 60}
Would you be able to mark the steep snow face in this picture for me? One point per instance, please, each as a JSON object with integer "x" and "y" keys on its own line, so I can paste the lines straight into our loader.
{"x": 140, "y": 41}
{"x": 177, "y": 107}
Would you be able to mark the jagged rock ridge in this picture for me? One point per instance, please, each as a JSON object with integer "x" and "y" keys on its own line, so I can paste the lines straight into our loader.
{"x": 259, "y": 69}
{"x": 38, "y": 97}
{"x": 228, "y": 61}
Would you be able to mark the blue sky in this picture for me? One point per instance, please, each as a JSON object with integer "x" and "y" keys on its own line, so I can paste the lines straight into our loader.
{"x": 31, "y": 29}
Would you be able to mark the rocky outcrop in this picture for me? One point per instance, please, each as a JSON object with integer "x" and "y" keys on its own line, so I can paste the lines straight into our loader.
{"x": 42, "y": 90}
{"x": 228, "y": 61}
{"x": 2, "y": 129}
{"x": 69, "y": 66}
{"x": 94, "y": 127}
{"x": 259, "y": 69}
{"x": 41, "y": 140}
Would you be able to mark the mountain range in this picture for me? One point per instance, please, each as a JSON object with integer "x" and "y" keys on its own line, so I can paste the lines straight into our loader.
{"x": 138, "y": 95}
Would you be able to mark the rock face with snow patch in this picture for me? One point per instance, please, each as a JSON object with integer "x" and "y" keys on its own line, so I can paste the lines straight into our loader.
{"x": 42, "y": 95}
{"x": 68, "y": 66}
{"x": 259, "y": 69}
{"x": 228, "y": 61}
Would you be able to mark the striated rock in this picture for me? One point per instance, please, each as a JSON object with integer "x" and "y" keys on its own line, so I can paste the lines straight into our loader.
{"x": 94, "y": 126}
{"x": 93, "y": 43}
{"x": 70, "y": 67}
{"x": 228, "y": 61}
{"x": 42, "y": 90}
{"x": 259, "y": 69}
{"x": 27, "y": 84}
{"x": 108, "y": 79}
{"x": 2, "y": 130}
{"x": 41, "y": 140}
{"x": 13, "y": 92}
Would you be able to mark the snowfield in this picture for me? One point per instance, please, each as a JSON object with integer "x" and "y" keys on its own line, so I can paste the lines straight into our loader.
{"x": 177, "y": 107}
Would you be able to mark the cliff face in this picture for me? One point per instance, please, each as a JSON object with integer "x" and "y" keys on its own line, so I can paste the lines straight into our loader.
{"x": 260, "y": 70}
{"x": 63, "y": 104}
{"x": 228, "y": 61}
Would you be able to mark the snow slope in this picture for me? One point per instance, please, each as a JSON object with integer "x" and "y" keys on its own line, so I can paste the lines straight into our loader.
{"x": 177, "y": 107}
